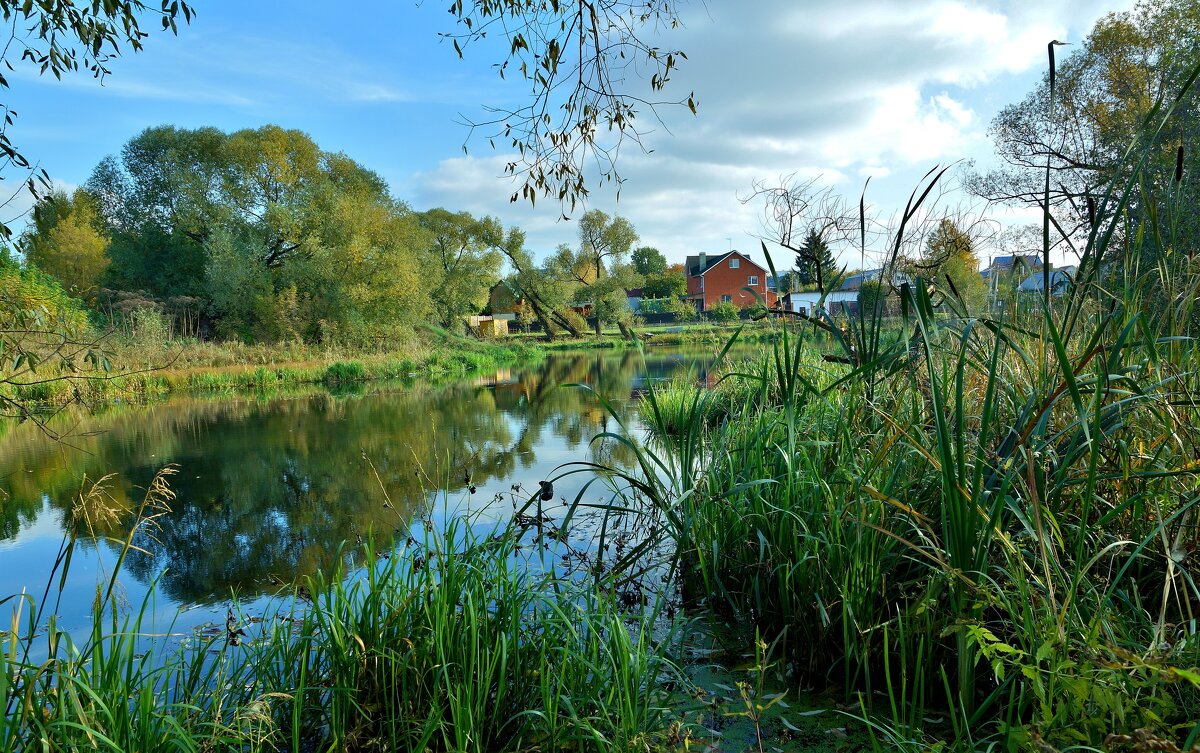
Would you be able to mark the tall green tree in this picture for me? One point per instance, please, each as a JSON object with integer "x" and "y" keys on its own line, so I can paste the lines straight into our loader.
{"x": 465, "y": 253}
{"x": 950, "y": 260}
{"x": 282, "y": 238}
{"x": 815, "y": 264}
{"x": 160, "y": 200}
{"x": 665, "y": 285}
{"x": 600, "y": 265}
{"x": 67, "y": 240}
{"x": 365, "y": 276}
{"x": 648, "y": 260}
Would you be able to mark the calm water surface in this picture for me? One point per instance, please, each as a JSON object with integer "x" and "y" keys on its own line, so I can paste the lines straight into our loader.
{"x": 269, "y": 487}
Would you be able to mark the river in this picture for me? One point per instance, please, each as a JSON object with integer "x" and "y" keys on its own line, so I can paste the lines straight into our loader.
{"x": 269, "y": 487}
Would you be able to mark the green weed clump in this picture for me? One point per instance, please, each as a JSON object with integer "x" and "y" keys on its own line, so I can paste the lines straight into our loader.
{"x": 344, "y": 372}
{"x": 983, "y": 518}
{"x": 452, "y": 643}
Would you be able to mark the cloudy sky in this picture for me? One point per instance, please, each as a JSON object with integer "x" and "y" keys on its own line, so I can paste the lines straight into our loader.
{"x": 842, "y": 89}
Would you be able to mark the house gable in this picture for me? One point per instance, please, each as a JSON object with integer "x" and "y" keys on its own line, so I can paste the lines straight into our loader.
{"x": 712, "y": 262}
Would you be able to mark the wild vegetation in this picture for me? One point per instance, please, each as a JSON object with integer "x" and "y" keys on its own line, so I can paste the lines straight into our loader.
{"x": 980, "y": 525}
{"x": 972, "y": 520}
{"x": 451, "y": 642}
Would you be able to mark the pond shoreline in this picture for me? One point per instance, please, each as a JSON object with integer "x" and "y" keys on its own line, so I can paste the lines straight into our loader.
{"x": 444, "y": 361}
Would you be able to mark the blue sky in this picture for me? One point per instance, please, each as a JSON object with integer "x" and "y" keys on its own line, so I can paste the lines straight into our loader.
{"x": 843, "y": 90}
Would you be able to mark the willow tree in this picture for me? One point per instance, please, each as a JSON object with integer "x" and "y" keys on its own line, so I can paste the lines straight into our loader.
{"x": 464, "y": 258}
{"x": 281, "y": 238}
{"x": 1106, "y": 92}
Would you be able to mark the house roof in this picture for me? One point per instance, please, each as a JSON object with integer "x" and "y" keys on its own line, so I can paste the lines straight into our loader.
{"x": 856, "y": 280}
{"x": 1059, "y": 277}
{"x": 1007, "y": 262}
{"x": 711, "y": 260}
{"x": 510, "y": 285}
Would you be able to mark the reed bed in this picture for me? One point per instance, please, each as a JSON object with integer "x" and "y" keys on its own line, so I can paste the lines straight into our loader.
{"x": 978, "y": 525}
{"x": 457, "y": 641}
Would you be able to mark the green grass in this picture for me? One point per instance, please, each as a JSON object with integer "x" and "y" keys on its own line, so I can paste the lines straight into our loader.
{"x": 450, "y": 643}
{"x": 446, "y": 356}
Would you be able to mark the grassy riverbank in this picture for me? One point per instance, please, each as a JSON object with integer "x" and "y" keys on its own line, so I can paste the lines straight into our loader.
{"x": 662, "y": 335}
{"x": 138, "y": 371}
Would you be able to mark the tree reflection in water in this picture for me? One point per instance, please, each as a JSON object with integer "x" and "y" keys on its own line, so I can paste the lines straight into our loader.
{"x": 270, "y": 487}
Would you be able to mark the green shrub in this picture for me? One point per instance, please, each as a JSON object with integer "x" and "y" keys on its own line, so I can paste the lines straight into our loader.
{"x": 681, "y": 309}
{"x": 723, "y": 312}
{"x": 344, "y": 372}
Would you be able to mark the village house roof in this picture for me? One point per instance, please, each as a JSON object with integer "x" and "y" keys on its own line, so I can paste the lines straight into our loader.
{"x": 711, "y": 260}
{"x": 1060, "y": 277}
{"x": 1009, "y": 261}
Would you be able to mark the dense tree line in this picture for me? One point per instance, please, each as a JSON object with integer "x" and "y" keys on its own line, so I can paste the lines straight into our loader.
{"x": 261, "y": 235}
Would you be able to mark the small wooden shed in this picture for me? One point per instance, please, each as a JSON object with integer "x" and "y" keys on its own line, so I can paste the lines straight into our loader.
{"x": 488, "y": 326}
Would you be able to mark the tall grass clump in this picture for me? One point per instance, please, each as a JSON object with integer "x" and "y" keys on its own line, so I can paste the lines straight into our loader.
{"x": 344, "y": 372}
{"x": 668, "y": 406}
{"x": 984, "y": 518}
{"x": 455, "y": 642}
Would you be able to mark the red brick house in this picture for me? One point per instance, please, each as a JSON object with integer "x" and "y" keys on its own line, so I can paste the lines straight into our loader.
{"x": 724, "y": 277}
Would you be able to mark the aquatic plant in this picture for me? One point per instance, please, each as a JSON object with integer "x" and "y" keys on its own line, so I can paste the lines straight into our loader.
{"x": 449, "y": 642}
{"x": 985, "y": 518}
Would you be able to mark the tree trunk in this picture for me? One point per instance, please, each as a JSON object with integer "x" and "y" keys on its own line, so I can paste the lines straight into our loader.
{"x": 568, "y": 326}
{"x": 598, "y": 324}
{"x": 541, "y": 317}
{"x": 627, "y": 332}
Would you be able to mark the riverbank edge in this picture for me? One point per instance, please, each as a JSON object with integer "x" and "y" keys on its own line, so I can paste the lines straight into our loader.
{"x": 448, "y": 360}
{"x": 687, "y": 335}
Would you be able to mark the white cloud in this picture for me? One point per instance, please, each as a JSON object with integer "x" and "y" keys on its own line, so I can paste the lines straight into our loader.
{"x": 884, "y": 88}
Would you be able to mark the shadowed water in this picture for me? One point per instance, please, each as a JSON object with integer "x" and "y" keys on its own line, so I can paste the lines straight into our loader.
{"x": 270, "y": 487}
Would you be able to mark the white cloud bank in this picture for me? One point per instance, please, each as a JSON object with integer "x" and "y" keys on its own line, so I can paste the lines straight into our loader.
{"x": 845, "y": 90}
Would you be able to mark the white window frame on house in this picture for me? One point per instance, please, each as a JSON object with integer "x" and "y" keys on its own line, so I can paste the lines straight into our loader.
{"x": 735, "y": 263}
{"x": 726, "y": 299}
{"x": 752, "y": 280}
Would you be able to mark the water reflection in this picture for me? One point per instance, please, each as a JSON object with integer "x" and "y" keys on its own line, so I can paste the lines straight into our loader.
{"x": 268, "y": 488}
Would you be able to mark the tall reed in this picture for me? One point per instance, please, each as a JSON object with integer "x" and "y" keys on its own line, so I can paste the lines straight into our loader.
{"x": 983, "y": 517}
{"x": 454, "y": 641}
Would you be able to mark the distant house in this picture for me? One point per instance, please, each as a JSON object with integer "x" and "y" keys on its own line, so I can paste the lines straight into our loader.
{"x": 1018, "y": 264}
{"x": 724, "y": 278}
{"x": 855, "y": 281}
{"x": 807, "y": 303}
{"x": 842, "y": 300}
{"x": 505, "y": 300}
{"x": 1060, "y": 279}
